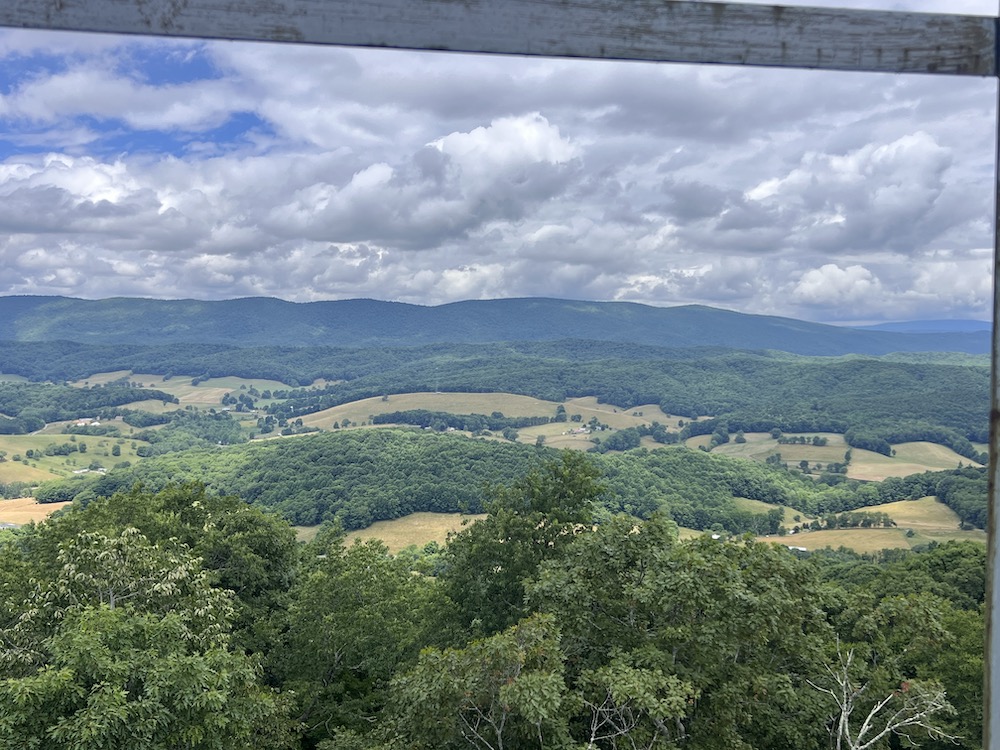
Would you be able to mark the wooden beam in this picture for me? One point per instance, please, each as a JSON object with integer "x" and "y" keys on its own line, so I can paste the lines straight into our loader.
{"x": 651, "y": 30}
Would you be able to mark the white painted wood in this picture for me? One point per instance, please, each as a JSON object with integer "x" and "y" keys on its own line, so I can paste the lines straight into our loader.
{"x": 654, "y": 30}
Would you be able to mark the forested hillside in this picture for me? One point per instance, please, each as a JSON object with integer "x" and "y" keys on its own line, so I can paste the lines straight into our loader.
{"x": 370, "y": 323}
{"x": 170, "y": 606}
{"x": 876, "y": 401}
{"x": 181, "y": 619}
{"x": 361, "y": 476}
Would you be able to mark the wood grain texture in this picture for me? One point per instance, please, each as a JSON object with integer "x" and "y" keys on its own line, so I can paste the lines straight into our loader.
{"x": 651, "y": 30}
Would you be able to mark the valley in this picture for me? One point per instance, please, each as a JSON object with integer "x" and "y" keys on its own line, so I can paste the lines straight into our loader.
{"x": 341, "y": 520}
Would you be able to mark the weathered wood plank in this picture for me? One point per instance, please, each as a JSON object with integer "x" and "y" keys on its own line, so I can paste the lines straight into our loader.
{"x": 653, "y": 30}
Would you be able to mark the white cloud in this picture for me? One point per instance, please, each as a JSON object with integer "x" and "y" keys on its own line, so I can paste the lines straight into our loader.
{"x": 433, "y": 177}
{"x": 832, "y": 285}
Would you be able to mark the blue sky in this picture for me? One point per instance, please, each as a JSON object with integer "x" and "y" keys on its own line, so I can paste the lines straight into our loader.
{"x": 210, "y": 170}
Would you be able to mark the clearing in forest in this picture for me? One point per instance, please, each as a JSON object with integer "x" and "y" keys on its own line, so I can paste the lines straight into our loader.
{"x": 759, "y": 506}
{"x": 928, "y": 519}
{"x": 24, "y": 510}
{"x": 42, "y": 468}
{"x": 416, "y": 528}
{"x": 509, "y": 404}
{"x": 207, "y": 394}
{"x": 910, "y": 458}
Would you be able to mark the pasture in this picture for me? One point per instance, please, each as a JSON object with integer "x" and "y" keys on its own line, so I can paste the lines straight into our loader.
{"x": 559, "y": 435}
{"x": 910, "y": 458}
{"x": 24, "y": 510}
{"x": 759, "y": 506}
{"x": 588, "y": 407}
{"x": 509, "y": 404}
{"x": 42, "y": 468}
{"x": 5, "y": 378}
{"x": 930, "y": 521}
{"x": 205, "y": 395}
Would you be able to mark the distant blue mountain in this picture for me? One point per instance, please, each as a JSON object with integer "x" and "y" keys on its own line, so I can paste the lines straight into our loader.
{"x": 930, "y": 326}
{"x": 370, "y": 323}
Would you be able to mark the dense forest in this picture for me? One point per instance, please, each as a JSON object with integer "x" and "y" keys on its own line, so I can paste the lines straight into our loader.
{"x": 184, "y": 619}
{"x": 357, "y": 477}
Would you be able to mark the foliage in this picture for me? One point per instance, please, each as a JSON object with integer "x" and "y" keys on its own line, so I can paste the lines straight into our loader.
{"x": 25, "y": 404}
{"x": 121, "y": 641}
{"x": 534, "y": 519}
{"x": 185, "y": 429}
{"x": 185, "y": 619}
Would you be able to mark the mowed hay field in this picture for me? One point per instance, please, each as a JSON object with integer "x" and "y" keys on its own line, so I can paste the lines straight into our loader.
{"x": 759, "y": 506}
{"x": 910, "y": 458}
{"x": 556, "y": 434}
{"x": 421, "y": 528}
{"x": 929, "y": 519}
{"x": 561, "y": 434}
{"x": 24, "y": 510}
{"x": 416, "y": 528}
{"x": 760, "y": 445}
{"x": 511, "y": 405}
{"x": 207, "y": 394}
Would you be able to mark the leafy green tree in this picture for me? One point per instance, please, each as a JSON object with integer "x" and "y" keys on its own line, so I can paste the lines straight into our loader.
{"x": 534, "y": 519}
{"x": 503, "y": 691}
{"x": 355, "y": 617}
{"x": 120, "y": 678}
{"x": 724, "y": 634}
{"x": 121, "y": 642}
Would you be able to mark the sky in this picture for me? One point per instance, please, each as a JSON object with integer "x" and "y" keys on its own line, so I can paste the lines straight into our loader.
{"x": 145, "y": 167}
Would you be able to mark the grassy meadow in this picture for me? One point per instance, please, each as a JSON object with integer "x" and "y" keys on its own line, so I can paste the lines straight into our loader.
{"x": 43, "y": 468}
{"x": 910, "y": 458}
{"x": 456, "y": 403}
{"x": 205, "y": 395}
{"x": 929, "y": 519}
{"x": 758, "y": 506}
{"x": 556, "y": 434}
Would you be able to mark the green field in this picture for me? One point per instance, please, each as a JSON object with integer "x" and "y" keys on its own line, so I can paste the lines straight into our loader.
{"x": 758, "y": 506}
{"x": 4, "y": 378}
{"x": 910, "y": 458}
{"x": 53, "y": 467}
{"x": 929, "y": 519}
{"x": 509, "y": 404}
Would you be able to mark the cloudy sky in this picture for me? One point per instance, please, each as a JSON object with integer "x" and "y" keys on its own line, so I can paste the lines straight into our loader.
{"x": 211, "y": 170}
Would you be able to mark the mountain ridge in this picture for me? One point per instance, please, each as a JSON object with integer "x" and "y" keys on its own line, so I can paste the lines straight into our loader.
{"x": 256, "y": 321}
